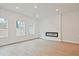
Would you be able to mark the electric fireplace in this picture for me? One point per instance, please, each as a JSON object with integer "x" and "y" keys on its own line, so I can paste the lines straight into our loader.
{"x": 51, "y": 34}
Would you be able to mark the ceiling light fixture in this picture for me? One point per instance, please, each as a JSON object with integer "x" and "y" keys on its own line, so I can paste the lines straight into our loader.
{"x": 57, "y": 10}
{"x": 35, "y": 6}
{"x": 17, "y": 7}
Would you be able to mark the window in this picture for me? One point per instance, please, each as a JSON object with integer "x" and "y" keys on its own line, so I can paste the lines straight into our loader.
{"x": 3, "y": 27}
{"x": 20, "y": 27}
{"x": 3, "y": 23}
{"x": 31, "y": 29}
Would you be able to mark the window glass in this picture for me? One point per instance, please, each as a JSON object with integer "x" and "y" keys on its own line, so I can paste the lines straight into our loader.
{"x": 31, "y": 29}
{"x": 3, "y": 23}
{"x": 20, "y": 27}
{"x": 3, "y": 27}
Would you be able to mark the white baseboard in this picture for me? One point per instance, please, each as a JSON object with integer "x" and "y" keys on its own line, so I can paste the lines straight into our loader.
{"x": 75, "y": 42}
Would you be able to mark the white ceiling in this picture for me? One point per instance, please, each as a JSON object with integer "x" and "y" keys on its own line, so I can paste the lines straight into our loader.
{"x": 43, "y": 10}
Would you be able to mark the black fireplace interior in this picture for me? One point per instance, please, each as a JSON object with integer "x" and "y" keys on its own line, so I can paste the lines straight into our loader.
{"x": 51, "y": 34}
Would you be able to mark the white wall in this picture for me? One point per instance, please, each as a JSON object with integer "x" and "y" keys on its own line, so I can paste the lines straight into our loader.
{"x": 50, "y": 24}
{"x": 70, "y": 27}
{"x": 12, "y": 17}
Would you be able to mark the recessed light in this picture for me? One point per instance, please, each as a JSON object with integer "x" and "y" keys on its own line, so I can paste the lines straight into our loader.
{"x": 35, "y": 6}
{"x": 17, "y": 7}
{"x": 37, "y": 16}
{"x": 57, "y": 10}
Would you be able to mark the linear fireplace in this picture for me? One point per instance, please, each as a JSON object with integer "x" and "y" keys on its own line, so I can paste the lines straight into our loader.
{"x": 51, "y": 34}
